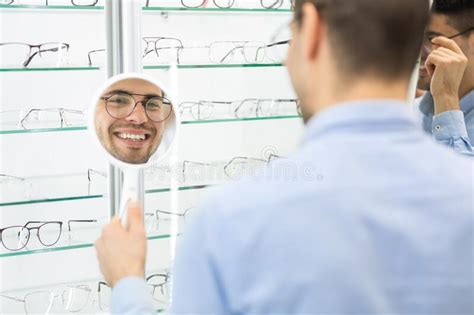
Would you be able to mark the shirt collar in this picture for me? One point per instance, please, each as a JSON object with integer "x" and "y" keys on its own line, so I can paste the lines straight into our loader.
{"x": 361, "y": 115}
{"x": 427, "y": 103}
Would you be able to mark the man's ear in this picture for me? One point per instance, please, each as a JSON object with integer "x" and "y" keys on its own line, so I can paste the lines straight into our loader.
{"x": 311, "y": 30}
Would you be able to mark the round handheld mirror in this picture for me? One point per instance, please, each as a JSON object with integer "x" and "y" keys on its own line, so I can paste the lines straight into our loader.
{"x": 133, "y": 121}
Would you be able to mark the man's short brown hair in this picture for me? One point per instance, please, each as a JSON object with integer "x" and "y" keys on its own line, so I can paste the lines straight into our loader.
{"x": 460, "y": 13}
{"x": 380, "y": 37}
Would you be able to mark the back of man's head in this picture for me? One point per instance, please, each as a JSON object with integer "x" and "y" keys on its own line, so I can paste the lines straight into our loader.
{"x": 460, "y": 13}
{"x": 373, "y": 37}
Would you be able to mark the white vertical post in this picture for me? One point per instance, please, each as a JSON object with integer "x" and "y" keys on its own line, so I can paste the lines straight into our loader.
{"x": 124, "y": 55}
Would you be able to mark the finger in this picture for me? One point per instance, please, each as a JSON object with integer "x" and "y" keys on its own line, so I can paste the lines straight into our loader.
{"x": 447, "y": 43}
{"x": 432, "y": 62}
{"x": 445, "y": 55}
{"x": 116, "y": 221}
{"x": 434, "y": 59}
{"x": 449, "y": 52}
{"x": 135, "y": 217}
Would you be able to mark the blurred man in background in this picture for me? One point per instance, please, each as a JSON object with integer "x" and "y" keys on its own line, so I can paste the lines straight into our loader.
{"x": 447, "y": 73}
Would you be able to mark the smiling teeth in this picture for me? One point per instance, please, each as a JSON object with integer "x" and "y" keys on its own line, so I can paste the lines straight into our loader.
{"x": 131, "y": 136}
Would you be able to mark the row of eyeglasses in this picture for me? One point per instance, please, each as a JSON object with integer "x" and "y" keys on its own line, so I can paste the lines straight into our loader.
{"x": 86, "y": 298}
{"x": 223, "y": 4}
{"x": 187, "y": 172}
{"x": 195, "y": 110}
{"x": 157, "y": 50}
{"x": 49, "y": 233}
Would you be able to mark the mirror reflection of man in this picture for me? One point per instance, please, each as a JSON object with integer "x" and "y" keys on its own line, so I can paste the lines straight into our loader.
{"x": 447, "y": 73}
{"x": 130, "y": 119}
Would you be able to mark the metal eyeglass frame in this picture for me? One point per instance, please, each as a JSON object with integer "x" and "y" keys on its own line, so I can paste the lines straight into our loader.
{"x": 91, "y": 171}
{"x": 72, "y": 1}
{"x": 155, "y": 39}
{"x": 100, "y": 302}
{"x": 161, "y": 286}
{"x": 258, "y": 57}
{"x": 204, "y": 164}
{"x": 146, "y": 51}
{"x": 188, "y": 106}
{"x": 102, "y": 284}
{"x": 279, "y": 43}
{"x": 37, "y": 228}
{"x": 165, "y": 101}
{"x": 2, "y": 176}
{"x": 277, "y": 4}
{"x": 227, "y": 164}
{"x": 243, "y": 47}
{"x": 61, "y": 111}
{"x": 427, "y": 39}
{"x": 183, "y": 215}
{"x": 246, "y": 160}
{"x": 258, "y": 105}
{"x": 52, "y": 297}
{"x": 89, "y": 54}
{"x": 29, "y": 229}
{"x": 39, "y": 50}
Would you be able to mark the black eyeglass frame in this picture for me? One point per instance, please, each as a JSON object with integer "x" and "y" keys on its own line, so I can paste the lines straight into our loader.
{"x": 161, "y": 286}
{"x": 430, "y": 38}
{"x": 42, "y": 223}
{"x": 144, "y": 103}
{"x": 29, "y": 229}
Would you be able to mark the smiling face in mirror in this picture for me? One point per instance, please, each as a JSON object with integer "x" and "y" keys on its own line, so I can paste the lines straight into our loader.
{"x": 130, "y": 119}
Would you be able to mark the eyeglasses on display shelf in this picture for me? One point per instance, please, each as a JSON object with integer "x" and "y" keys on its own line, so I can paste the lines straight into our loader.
{"x": 37, "y": 118}
{"x": 163, "y": 48}
{"x": 93, "y": 177}
{"x": 91, "y": 174}
{"x": 164, "y": 215}
{"x": 12, "y": 185}
{"x": 207, "y": 173}
{"x": 20, "y": 54}
{"x": 247, "y": 108}
{"x": 168, "y": 50}
{"x": 6, "y": 178}
{"x": 15, "y": 238}
{"x": 265, "y": 107}
{"x": 228, "y": 52}
{"x": 156, "y": 49}
{"x": 54, "y": 117}
{"x": 24, "y": 190}
{"x": 233, "y": 169}
{"x": 93, "y": 297}
{"x": 157, "y": 287}
{"x": 73, "y": 299}
{"x": 279, "y": 43}
{"x": 227, "y": 4}
{"x": 159, "y": 220}
{"x": 77, "y": 3}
